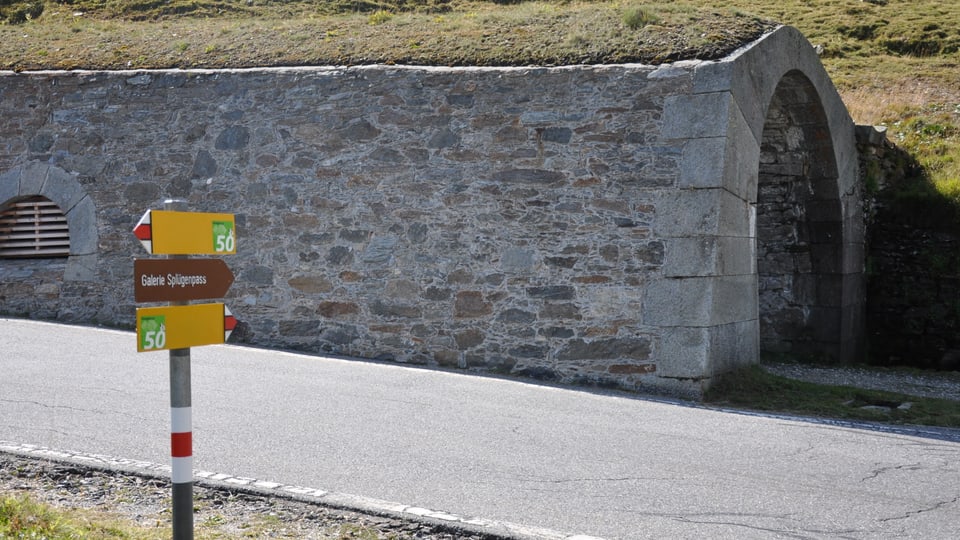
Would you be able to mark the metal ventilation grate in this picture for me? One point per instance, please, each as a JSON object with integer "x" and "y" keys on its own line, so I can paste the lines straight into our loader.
{"x": 33, "y": 228}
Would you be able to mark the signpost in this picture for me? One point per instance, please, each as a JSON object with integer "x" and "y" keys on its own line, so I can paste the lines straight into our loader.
{"x": 180, "y": 325}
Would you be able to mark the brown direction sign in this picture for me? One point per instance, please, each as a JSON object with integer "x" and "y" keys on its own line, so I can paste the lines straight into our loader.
{"x": 180, "y": 280}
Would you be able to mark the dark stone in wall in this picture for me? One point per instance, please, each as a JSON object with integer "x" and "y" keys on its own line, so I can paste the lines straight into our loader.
{"x": 204, "y": 166}
{"x": 651, "y": 253}
{"x": 354, "y": 235}
{"x": 437, "y": 294}
{"x": 529, "y": 351}
{"x": 299, "y": 327}
{"x": 395, "y": 311}
{"x": 417, "y": 233}
{"x": 380, "y": 250}
{"x": 333, "y": 310}
{"x": 444, "y": 139}
{"x": 554, "y": 292}
{"x": 538, "y": 372}
{"x": 339, "y": 255}
{"x": 516, "y": 316}
{"x": 471, "y": 304}
{"x": 41, "y": 142}
{"x": 529, "y": 176}
{"x": 233, "y": 138}
{"x": 460, "y": 100}
{"x": 260, "y": 275}
{"x": 560, "y": 311}
{"x": 469, "y": 338}
{"x": 360, "y": 130}
{"x": 557, "y": 332}
{"x": 636, "y": 348}
{"x": 557, "y": 135}
{"x": 562, "y": 262}
{"x": 341, "y": 335}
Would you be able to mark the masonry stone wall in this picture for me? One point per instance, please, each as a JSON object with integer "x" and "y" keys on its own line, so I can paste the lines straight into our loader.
{"x": 913, "y": 283}
{"x": 586, "y": 225}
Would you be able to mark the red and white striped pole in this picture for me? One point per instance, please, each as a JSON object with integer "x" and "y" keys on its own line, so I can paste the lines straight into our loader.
{"x": 181, "y": 444}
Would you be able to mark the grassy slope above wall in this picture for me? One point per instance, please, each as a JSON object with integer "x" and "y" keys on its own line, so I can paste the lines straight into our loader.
{"x": 218, "y": 33}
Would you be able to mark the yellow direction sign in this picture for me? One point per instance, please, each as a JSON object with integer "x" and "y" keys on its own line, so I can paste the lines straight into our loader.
{"x": 168, "y": 232}
{"x": 180, "y": 327}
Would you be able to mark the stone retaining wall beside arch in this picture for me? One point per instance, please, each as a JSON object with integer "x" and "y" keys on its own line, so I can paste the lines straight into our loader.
{"x": 585, "y": 225}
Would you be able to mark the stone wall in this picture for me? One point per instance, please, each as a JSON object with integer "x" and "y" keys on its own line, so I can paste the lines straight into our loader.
{"x": 588, "y": 225}
{"x": 913, "y": 300}
{"x": 455, "y": 217}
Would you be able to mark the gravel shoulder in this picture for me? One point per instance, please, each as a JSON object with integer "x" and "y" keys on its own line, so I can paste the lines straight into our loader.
{"x": 220, "y": 513}
{"x": 930, "y": 384}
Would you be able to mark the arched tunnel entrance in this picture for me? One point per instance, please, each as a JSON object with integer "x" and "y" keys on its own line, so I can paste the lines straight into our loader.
{"x": 799, "y": 229}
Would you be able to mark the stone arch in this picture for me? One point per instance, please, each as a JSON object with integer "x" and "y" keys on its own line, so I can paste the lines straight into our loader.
{"x": 799, "y": 227}
{"x": 810, "y": 289}
{"x": 59, "y": 186}
{"x": 766, "y": 113}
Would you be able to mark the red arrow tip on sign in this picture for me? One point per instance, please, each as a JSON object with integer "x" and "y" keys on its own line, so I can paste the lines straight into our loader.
{"x": 143, "y": 231}
{"x": 229, "y": 323}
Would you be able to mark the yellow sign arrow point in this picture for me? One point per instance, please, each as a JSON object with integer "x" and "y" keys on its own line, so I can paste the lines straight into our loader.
{"x": 180, "y": 327}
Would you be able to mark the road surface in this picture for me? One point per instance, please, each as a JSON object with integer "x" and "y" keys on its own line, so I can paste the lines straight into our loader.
{"x": 609, "y": 466}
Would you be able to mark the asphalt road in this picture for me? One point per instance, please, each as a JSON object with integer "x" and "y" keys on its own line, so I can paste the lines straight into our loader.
{"x": 579, "y": 462}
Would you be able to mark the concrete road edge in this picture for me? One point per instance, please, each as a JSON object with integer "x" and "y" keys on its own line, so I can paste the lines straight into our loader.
{"x": 498, "y": 530}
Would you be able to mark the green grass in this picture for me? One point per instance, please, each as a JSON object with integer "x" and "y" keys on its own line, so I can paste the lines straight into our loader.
{"x": 23, "y": 517}
{"x": 931, "y": 135}
{"x": 637, "y": 17}
{"x": 140, "y": 34}
{"x": 896, "y": 64}
{"x": 753, "y": 388}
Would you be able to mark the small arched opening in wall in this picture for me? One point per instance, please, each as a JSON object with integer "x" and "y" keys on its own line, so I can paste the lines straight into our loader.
{"x": 799, "y": 228}
{"x": 54, "y": 240}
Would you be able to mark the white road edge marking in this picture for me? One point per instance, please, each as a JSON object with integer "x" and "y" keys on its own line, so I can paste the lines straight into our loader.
{"x": 500, "y": 529}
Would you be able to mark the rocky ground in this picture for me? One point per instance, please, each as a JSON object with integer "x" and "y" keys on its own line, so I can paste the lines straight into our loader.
{"x": 219, "y": 513}
{"x": 931, "y": 384}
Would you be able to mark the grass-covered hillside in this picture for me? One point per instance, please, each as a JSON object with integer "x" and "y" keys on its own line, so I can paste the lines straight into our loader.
{"x": 895, "y": 61}
{"x": 236, "y": 33}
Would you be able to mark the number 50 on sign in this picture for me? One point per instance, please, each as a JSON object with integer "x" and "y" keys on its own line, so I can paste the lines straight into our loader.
{"x": 152, "y": 333}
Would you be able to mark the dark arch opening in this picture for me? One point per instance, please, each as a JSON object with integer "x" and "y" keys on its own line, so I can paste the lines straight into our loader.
{"x": 799, "y": 228}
